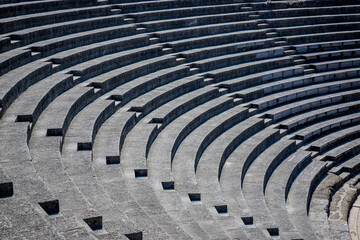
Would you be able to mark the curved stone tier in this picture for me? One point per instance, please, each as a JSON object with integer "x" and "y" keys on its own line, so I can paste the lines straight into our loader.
{"x": 179, "y": 119}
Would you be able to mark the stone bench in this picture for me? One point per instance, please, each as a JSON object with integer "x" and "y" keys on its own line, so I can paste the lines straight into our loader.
{"x": 164, "y": 92}
{"x": 28, "y": 181}
{"x": 260, "y": 78}
{"x": 141, "y": 85}
{"x": 73, "y": 204}
{"x": 339, "y": 54}
{"x": 204, "y": 113}
{"x": 153, "y": 99}
{"x": 345, "y": 151}
{"x": 347, "y": 167}
{"x": 160, "y": 25}
{"x": 236, "y": 166}
{"x": 111, "y": 179}
{"x": 169, "y": 112}
{"x": 13, "y": 59}
{"x": 317, "y": 28}
{"x": 166, "y": 113}
{"x": 312, "y": 103}
{"x": 304, "y": 92}
{"x": 78, "y": 144}
{"x": 320, "y": 114}
{"x": 174, "y": 107}
{"x": 300, "y": 195}
{"x": 25, "y": 76}
{"x": 95, "y": 114}
{"x": 261, "y": 90}
{"x": 109, "y": 64}
{"x": 179, "y": 130}
{"x": 213, "y": 149}
{"x": 202, "y": 134}
{"x": 80, "y": 95}
{"x": 34, "y": 226}
{"x": 41, "y": 33}
{"x": 212, "y": 40}
{"x": 237, "y": 58}
{"x": 323, "y": 10}
{"x": 278, "y": 187}
{"x": 140, "y": 14}
{"x": 29, "y": 106}
{"x": 326, "y": 46}
{"x": 110, "y": 175}
{"x": 185, "y": 12}
{"x": 136, "y": 175}
{"x": 311, "y": 20}
{"x": 67, "y": 105}
{"x": 17, "y": 8}
{"x": 239, "y": 70}
{"x": 34, "y": 71}
{"x": 213, "y": 51}
{"x": 253, "y": 187}
{"x": 336, "y": 64}
{"x": 321, "y": 128}
{"x": 26, "y": 21}
{"x": 329, "y": 141}
{"x": 122, "y": 75}
{"x": 198, "y": 31}
{"x": 210, "y": 154}
{"x": 73, "y": 41}
{"x": 322, "y": 37}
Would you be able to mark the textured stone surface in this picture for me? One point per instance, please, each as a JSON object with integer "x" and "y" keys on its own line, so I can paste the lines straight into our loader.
{"x": 219, "y": 119}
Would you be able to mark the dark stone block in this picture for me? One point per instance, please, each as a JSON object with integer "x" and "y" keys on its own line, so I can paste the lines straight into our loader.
{"x": 157, "y": 120}
{"x": 95, "y": 223}
{"x": 194, "y": 197}
{"x": 24, "y": 118}
{"x": 84, "y": 146}
{"x": 273, "y": 231}
{"x": 112, "y": 159}
{"x": 54, "y": 132}
{"x": 247, "y": 220}
{"x": 168, "y": 185}
{"x": 221, "y": 209}
{"x": 50, "y": 207}
{"x": 134, "y": 236}
{"x": 6, "y": 189}
{"x": 140, "y": 173}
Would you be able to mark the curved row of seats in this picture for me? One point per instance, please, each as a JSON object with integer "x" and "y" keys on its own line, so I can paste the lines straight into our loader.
{"x": 181, "y": 119}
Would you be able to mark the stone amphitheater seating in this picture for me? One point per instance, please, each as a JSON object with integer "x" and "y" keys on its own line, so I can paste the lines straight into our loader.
{"x": 179, "y": 119}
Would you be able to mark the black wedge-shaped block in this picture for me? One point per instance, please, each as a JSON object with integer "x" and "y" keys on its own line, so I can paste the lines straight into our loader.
{"x": 112, "y": 159}
{"x": 6, "y": 189}
{"x": 84, "y": 146}
{"x": 54, "y": 132}
{"x": 95, "y": 223}
{"x": 135, "y": 236}
{"x": 221, "y": 209}
{"x": 248, "y": 220}
{"x": 194, "y": 197}
{"x": 140, "y": 173}
{"x": 273, "y": 231}
{"x": 168, "y": 185}
{"x": 50, "y": 207}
